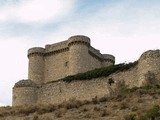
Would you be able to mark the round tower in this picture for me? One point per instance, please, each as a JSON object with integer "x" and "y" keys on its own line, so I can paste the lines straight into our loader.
{"x": 78, "y": 54}
{"x": 24, "y": 92}
{"x": 36, "y": 65}
{"x": 149, "y": 67}
{"x": 108, "y": 60}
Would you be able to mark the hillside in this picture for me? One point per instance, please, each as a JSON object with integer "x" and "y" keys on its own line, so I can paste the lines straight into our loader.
{"x": 128, "y": 104}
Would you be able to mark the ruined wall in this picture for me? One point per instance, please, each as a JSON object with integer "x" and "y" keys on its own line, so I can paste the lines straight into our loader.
{"x": 129, "y": 77}
{"x": 73, "y": 56}
{"x": 60, "y": 91}
{"x": 82, "y": 90}
{"x": 149, "y": 67}
{"x": 26, "y": 92}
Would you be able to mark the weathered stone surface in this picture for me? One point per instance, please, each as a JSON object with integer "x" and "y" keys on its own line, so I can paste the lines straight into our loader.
{"x": 76, "y": 55}
{"x": 69, "y": 57}
{"x": 25, "y": 83}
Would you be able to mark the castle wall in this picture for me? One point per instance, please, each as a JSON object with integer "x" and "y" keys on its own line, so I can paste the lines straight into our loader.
{"x": 24, "y": 95}
{"x": 56, "y": 66}
{"x": 68, "y": 61}
{"x": 129, "y": 77}
{"x": 69, "y": 57}
{"x": 94, "y": 62}
{"x": 36, "y": 65}
{"x": 78, "y": 59}
{"x": 149, "y": 67}
{"x": 58, "y": 92}
{"x": 78, "y": 54}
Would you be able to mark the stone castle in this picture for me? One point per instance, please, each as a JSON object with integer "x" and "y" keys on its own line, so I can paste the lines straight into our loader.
{"x": 47, "y": 66}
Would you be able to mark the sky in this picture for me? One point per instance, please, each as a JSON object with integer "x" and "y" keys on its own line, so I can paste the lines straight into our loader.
{"x": 123, "y": 28}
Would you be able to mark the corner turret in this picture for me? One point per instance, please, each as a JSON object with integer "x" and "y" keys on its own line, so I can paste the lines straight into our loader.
{"x": 108, "y": 60}
{"x": 36, "y": 64}
{"x": 24, "y": 92}
{"x": 78, "y": 54}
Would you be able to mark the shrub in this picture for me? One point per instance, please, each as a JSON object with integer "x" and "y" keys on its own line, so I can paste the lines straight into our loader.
{"x": 154, "y": 111}
{"x": 84, "y": 110}
{"x": 96, "y": 108}
{"x": 72, "y": 103}
{"x": 142, "y": 117}
{"x": 90, "y": 114}
{"x": 100, "y": 72}
{"x": 120, "y": 97}
{"x": 130, "y": 90}
{"x": 103, "y": 113}
{"x": 41, "y": 109}
{"x": 104, "y": 99}
{"x": 95, "y": 100}
{"x": 123, "y": 105}
{"x": 35, "y": 117}
{"x": 131, "y": 116}
{"x": 151, "y": 114}
{"x": 58, "y": 114}
{"x": 26, "y": 109}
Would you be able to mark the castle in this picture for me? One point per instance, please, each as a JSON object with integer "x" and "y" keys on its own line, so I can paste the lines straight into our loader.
{"x": 47, "y": 66}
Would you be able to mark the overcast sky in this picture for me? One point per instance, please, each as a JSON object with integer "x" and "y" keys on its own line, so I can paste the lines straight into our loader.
{"x": 123, "y": 28}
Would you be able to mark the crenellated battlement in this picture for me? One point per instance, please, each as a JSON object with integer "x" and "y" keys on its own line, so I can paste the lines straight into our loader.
{"x": 109, "y": 58}
{"x": 36, "y": 51}
{"x": 56, "y": 51}
{"x": 79, "y": 39}
{"x": 69, "y": 57}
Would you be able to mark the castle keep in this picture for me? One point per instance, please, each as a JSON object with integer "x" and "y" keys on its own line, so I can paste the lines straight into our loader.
{"x": 47, "y": 66}
{"x": 70, "y": 57}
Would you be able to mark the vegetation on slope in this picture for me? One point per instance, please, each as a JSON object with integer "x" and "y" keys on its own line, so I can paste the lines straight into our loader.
{"x": 100, "y": 72}
{"x": 131, "y": 104}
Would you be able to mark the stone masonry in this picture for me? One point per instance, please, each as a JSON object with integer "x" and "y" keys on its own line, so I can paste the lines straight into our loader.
{"x": 47, "y": 66}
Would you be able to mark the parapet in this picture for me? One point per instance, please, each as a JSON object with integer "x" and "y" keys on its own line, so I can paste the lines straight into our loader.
{"x": 78, "y": 39}
{"x": 56, "y": 46}
{"x": 36, "y": 51}
{"x": 109, "y": 58}
{"x": 25, "y": 83}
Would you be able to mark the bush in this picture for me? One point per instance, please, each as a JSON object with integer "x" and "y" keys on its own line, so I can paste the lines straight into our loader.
{"x": 103, "y": 113}
{"x": 142, "y": 90}
{"x": 100, "y": 72}
{"x": 123, "y": 105}
{"x": 25, "y": 110}
{"x": 104, "y": 99}
{"x": 151, "y": 114}
{"x": 154, "y": 112}
{"x": 72, "y": 103}
{"x": 142, "y": 117}
{"x": 41, "y": 109}
{"x": 130, "y": 117}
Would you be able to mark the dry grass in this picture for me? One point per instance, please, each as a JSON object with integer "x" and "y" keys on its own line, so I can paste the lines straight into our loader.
{"x": 133, "y": 104}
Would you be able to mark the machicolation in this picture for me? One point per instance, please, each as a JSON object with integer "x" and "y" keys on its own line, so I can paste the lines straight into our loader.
{"x": 72, "y": 60}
